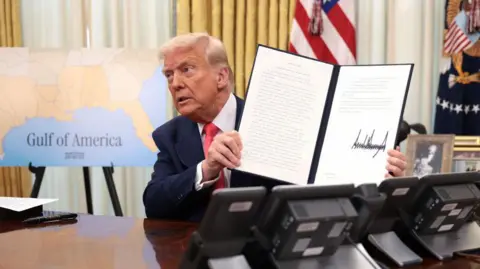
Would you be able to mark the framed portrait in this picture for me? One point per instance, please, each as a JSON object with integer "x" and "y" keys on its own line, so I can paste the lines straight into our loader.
{"x": 466, "y": 154}
{"x": 429, "y": 154}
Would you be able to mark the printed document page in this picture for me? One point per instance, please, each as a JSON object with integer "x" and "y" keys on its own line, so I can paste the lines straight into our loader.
{"x": 363, "y": 124}
{"x": 21, "y": 204}
{"x": 282, "y": 115}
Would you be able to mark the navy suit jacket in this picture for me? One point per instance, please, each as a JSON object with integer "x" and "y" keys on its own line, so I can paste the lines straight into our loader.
{"x": 171, "y": 193}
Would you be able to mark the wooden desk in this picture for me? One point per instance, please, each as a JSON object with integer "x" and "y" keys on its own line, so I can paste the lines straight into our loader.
{"x": 111, "y": 242}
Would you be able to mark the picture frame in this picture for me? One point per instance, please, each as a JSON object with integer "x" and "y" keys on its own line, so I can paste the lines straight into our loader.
{"x": 466, "y": 154}
{"x": 429, "y": 154}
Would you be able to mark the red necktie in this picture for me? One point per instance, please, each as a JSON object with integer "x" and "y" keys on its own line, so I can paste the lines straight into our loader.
{"x": 210, "y": 131}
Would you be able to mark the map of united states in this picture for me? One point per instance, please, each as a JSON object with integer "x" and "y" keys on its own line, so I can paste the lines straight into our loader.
{"x": 79, "y": 107}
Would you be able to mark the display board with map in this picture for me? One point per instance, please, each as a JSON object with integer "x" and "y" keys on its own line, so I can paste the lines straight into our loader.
{"x": 86, "y": 107}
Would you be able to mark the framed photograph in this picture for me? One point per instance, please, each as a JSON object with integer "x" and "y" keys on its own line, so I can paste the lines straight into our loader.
{"x": 466, "y": 154}
{"x": 429, "y": 154}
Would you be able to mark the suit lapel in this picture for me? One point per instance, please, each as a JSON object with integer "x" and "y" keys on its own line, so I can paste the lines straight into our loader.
{"x": 240, "y": 106}
{"x": 189, "y": 143}
{"x": 244, "y": 181}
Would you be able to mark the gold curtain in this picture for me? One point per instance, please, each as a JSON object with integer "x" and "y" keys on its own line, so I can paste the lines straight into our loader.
{"x": 241, "y": 25}
{"x": 14, "y": 181}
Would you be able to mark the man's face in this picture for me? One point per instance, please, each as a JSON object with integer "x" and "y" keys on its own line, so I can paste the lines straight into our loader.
{"x": 192, "y": 82}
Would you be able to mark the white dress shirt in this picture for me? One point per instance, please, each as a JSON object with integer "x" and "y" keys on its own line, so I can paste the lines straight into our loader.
{"x": 225, "y": 121}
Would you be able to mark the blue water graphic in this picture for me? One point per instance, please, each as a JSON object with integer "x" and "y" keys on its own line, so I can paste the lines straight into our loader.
{"x": 89, "y": 125}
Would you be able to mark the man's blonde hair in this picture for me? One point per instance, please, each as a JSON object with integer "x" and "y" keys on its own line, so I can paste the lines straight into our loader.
{"x": 214, "y": 50}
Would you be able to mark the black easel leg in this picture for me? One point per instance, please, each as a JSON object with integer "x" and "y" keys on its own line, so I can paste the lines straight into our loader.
{"x": 39, "y": 172}
{"x": 108, "y": 172}
{"x": 88, "y": 189}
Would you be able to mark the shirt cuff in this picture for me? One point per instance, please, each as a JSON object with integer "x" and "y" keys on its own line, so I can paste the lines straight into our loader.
{"x": 199, "y": 177}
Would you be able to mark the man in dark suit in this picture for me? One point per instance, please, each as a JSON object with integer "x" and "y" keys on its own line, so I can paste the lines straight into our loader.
{"x": 200, "y": 81}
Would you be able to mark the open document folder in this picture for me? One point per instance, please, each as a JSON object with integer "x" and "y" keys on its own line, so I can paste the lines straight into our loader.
{"x": 307, "y": 121}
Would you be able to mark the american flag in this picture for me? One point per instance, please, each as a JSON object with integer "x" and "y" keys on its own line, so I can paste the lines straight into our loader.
{"x": 457, "y": 109}
{"x": 325, "y": 30}
{"x": 457, "y": 38}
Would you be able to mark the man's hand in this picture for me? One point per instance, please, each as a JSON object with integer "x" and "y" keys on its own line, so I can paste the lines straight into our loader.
{"x": 396, "y": 163}
{"x": 225, "y": 151}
